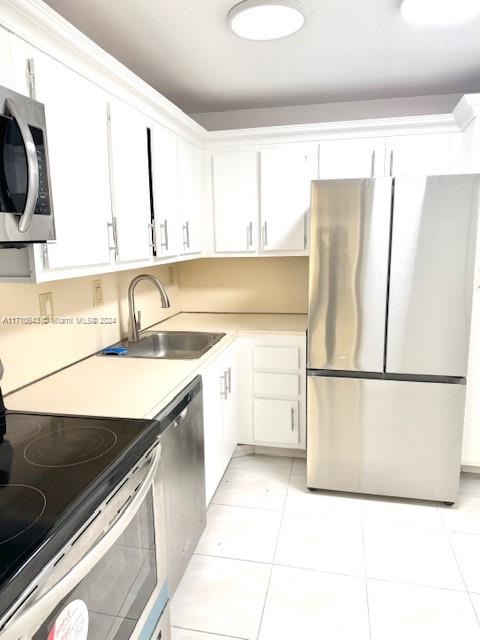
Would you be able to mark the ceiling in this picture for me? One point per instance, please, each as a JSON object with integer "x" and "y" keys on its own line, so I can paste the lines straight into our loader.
{"x": 348, "y": 50}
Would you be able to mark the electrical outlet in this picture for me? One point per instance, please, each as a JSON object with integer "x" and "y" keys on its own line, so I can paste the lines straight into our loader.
{"x": 46, "y": 304}
{"x": 97, "y": 293}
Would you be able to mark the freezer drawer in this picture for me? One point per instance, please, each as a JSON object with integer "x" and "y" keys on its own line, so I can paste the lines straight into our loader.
{"x": 349, "y": 247}
{"x": 431, "y": 274}
{"x": 385, "y": 437}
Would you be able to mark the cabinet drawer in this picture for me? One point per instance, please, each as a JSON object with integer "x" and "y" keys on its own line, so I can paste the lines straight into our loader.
{"x": 276, "y": 384}
{"x": 275, "y": 421}
{"x": 276, "y": 358}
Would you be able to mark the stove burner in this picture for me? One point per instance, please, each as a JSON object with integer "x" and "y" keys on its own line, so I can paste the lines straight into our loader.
{"x": 24, "y": 506}
{"x": 20, "y": 428}
{"x": 70, "y": 447}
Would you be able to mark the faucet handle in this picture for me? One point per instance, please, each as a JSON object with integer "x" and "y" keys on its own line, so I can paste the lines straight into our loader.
{"x": 138, "y": 320}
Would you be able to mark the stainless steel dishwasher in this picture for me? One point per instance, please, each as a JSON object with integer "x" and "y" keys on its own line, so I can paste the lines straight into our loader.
{"x": 182, "y": 476}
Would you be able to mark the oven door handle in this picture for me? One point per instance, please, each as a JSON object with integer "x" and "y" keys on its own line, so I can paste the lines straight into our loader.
{"x": 32, "y": 166}
{"x": 22, "y": 627}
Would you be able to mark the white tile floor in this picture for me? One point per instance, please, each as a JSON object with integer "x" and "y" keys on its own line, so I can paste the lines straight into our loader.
{"x": 280, "y": 562}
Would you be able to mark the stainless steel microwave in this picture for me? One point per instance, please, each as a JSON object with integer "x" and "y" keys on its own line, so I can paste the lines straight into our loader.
{"x": 26, "y": 212}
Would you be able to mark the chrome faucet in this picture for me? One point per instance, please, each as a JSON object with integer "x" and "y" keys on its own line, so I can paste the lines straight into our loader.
{"x": 134, "y": 317}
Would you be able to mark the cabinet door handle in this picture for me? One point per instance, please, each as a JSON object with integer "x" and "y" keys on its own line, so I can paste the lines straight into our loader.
{"x": 373, "y": 164}
{"x": 391, "y": 162}
{"x": 152, "y": 240}
{"x": 112, "y": 245}
{"x": 265, "y": 234}
{"x": 292, "y": 417}
{"x": 164, "y": 244}
{"x": 250, "y": 235}
{"x": 186, "y": 235}
{"x": 223, "y": 386}
{"x": 113, "y": 226}
{"x": 228, "y": 378}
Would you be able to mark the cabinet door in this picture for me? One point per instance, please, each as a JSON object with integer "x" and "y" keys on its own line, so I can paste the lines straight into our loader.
{"x": 166, "y": 191}
{"x": 213, "y": 398}
{"x": 230, "y": 404}
{"x": 235, "y": 200}
{"x": 363, "y": 158}
{"x": 6, "y": 68}
{"x": 192, "y": 196}
{"x": 130, "y": 183}
{"x": 418, "y": 155}
{"x": 76, "y": 117}
{"x": 275, "y": 421}
{"x": 285, "y": 180}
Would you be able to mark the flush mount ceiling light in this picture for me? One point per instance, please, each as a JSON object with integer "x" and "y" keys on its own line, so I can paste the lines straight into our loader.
{"x": 267, "y": 19}
{"x": 439, "y": 12}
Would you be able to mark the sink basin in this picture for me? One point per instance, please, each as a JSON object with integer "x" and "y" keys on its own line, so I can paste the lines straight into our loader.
{"x": 171, "y": 345}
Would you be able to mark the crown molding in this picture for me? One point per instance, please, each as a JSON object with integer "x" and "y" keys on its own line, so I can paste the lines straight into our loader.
{"x": 378, "y": 127}
{"x": 39, "y": 25}
{"x": 467, "y": 109}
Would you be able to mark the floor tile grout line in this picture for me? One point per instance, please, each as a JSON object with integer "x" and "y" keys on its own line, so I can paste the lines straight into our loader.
{"x": 362, "y": 506}
{"x": 463, "y": 578}
{"x": 343, "y": 575}
{"x": 209, "y": 633}
{"x": 245, "y": 506}
{"x": 275, "y": 551}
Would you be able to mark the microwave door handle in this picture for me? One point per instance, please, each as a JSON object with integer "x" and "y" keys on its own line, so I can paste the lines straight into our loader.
{"x": 23, "y": 625}
{"x": 32, "y": 166}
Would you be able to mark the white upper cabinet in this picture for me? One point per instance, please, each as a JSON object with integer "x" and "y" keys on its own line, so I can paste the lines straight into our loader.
{"x": 192, "y": 177}
{"x": 166, "y": 191}
{"x": 235, "y": 201}
{"x": 418, "y": 155}
{"x": 285, "y": 177}
{"x": 130, "y": 183}
{"x": 359, "y": 158}
{"x": 6, "y": 69}
{"x": 76, "y": 117}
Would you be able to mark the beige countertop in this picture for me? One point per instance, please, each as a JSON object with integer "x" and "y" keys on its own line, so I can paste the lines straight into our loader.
{"x": 141, "y": 387}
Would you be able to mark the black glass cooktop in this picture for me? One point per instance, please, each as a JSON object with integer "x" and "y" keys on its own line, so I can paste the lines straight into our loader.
{"x": 54, "y": 471}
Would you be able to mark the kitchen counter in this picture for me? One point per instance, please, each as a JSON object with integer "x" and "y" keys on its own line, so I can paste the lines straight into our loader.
{"x": 139, "y": 387}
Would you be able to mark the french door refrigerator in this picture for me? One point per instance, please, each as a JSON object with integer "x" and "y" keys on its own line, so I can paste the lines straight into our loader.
{"x": 390, "y": 294}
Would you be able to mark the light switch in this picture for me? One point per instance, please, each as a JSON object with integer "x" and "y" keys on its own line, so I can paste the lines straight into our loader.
{"x": 46, "y": 304}
{"x": 97, "y": 293}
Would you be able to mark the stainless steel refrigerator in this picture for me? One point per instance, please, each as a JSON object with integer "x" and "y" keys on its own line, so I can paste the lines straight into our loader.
{"x": 390, "y": 295}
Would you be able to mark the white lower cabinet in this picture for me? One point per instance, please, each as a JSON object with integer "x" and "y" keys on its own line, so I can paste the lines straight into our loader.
{"x": 220, "y": 393}
{"x": 276, "y": 421}
{"x": 272, "y": 372}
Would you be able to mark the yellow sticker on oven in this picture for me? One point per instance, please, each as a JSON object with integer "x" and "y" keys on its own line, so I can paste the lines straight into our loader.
{"x": 71, "y": 623}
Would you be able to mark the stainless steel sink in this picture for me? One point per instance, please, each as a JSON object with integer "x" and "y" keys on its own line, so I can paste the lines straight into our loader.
{"x": 171, "y": 345}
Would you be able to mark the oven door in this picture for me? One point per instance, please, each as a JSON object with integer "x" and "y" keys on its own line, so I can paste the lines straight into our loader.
{"x": 118, "y": 589}
{"x": 25, "y": 200}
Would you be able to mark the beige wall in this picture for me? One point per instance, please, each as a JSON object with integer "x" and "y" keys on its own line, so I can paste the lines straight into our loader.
{"x": 263, "y": 285}
{"x": 242, "y": 285}
{"x": 31, "y": 351}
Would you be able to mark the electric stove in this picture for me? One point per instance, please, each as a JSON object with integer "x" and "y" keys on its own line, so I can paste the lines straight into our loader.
{"x": 54, "y": 471}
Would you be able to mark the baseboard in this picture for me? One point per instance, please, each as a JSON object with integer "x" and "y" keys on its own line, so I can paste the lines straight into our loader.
{"x": 471, "y": 468}
{"x": 280, "y": 451}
